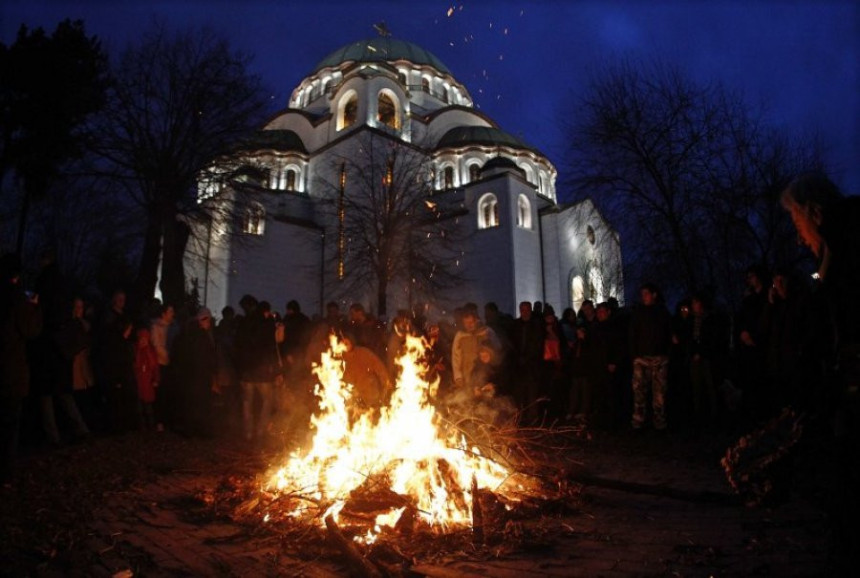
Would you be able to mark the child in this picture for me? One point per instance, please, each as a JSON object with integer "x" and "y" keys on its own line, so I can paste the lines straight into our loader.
{"x": 146, "y": 374}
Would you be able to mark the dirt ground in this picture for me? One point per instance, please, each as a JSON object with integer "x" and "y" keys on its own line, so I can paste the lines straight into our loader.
{"x": 622, "y": 504}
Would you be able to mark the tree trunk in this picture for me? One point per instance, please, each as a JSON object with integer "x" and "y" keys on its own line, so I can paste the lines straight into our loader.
{"x": 22, "y": 222}
{"x": 147, "y": 275}
{"x": 172, "y": 271}
{"x": 382, "y": 296}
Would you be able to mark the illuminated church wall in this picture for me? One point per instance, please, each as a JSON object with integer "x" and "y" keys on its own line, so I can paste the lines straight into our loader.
{"x": 508, "y": 262}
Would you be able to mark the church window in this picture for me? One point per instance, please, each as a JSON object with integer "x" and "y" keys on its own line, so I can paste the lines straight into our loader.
{"x": 448, "y": 178}
{"x": 589, "y": 234}
{"x": 524, "y": 212}
{"x": 325, "y": 85}
{"x": 530, "y": 174}
{"x": 488, "y": 211}
{"x": 425, "y": 84}
{"x": 254, "y": 219}
{"x": 386, "y": 112}
{"x": 348, "y": 113}
{"x": 474, "y": 172}
{"x": 403, "y": 78}
{"x": 291, "y": 180}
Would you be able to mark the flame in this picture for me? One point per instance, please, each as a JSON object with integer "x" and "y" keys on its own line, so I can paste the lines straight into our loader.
{"x": 406, "y": 447}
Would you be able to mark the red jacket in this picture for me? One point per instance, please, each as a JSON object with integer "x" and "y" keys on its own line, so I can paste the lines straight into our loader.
{"x": 146, "y": 372}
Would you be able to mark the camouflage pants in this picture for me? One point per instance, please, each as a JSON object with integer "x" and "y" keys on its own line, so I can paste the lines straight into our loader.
{"x": 650, "y": 375}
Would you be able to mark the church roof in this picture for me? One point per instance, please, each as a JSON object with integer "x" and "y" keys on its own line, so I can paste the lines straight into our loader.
{"x": 481, "y": 135}
{"x": 382, "y": 49}
{"x": 500, "y": 163}
{"x": 281, "y": 140}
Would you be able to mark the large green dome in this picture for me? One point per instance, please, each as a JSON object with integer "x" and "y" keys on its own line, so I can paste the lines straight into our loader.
{"x": 382, "y": 49}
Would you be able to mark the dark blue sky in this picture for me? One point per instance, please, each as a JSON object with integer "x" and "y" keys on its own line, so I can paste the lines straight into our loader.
{"x": 521, "y": 61}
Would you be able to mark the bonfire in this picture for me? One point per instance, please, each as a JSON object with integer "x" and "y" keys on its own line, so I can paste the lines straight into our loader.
{"x": 405, "y": 464}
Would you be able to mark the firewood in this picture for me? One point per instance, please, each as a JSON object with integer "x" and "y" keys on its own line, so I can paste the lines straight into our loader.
{"x": 477, "y": 515}
{"x": 358, "y": 563}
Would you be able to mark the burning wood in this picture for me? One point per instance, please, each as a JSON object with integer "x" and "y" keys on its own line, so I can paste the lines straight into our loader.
{"x": 406, "y": 457}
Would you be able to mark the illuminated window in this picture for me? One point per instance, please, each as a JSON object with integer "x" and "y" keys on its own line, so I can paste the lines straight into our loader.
{"x": 448, "y": 178}
{"x": 386, "y": 111}
{"x": 291, "y": 180}
{"x": 254, "y": 219}
{"x": 474, "y": 172}
{"x": 348, "y": 110}
{"x": 524, "y": 212}
{"x": 488, "y": 211}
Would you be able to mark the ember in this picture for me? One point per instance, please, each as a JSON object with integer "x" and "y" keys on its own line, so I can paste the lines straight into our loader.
{"x": 405, "y": 457}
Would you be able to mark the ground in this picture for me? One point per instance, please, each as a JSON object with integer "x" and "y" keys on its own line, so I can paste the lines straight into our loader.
{"x": 625, "y": 504}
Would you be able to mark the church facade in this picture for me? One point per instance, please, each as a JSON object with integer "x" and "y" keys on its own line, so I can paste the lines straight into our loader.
{"x": 284, "y": 201}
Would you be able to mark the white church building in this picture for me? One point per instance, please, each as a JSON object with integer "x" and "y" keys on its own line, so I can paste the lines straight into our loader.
{"x": 276, "y": 236}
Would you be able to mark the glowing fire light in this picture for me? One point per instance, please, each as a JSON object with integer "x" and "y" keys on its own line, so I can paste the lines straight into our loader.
{"x": 406, "y": 448}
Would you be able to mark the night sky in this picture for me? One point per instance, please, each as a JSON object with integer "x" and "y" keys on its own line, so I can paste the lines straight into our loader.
{"x": 522, "y": 61}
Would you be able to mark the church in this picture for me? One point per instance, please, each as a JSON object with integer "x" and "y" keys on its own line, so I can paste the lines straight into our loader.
{"x": 382, "y": 184}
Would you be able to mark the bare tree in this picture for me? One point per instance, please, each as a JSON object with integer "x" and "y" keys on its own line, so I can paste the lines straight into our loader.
{"x": 177, "y": 102}
{"x": 393, "y": 237}
{"x": 686, "y": 172}
{"x": 50, "y": 86}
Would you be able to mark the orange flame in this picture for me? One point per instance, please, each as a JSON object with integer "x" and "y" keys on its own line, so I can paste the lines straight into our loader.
{"x": 409, "y": 448}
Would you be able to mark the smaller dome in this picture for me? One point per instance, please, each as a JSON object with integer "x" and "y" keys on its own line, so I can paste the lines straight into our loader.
{"x": 481, "y": 135}
{"x": 280, "y": 140}
{"x": 501, "y": 163}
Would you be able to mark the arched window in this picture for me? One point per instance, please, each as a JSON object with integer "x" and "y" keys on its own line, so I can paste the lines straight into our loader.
{"x": 425, "y": 84}
{"x": 348, "y": 110}
{"x": 530, "y": 174}
{"x": 254, "y": 219}
{"x": 488, "y": 211}
{"x": 448, "y": 178}
{"x": 325, "y": 85}
{"x": 474, "y": 172}
{"x": 386, "y": 110}
{"x": 291, "y": 180}
{"x": 524, "y": 212}
{"x": 403, "y": 78}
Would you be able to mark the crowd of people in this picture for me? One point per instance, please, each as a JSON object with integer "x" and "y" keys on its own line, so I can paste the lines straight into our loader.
{"x": 603, "y": 366}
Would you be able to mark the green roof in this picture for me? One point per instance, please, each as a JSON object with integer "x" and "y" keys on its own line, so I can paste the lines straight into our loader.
{"x": 481, "y": 135}
{"x": 282, "y": 140}
{"x": 382, "y": 49}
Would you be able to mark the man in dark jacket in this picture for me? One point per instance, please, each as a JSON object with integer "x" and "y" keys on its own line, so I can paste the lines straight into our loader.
{"x": 828, "y": 223}
{"x": 650, "y": 338}
{"x": 20, "y": 321}
{"x": 258, "y": 365}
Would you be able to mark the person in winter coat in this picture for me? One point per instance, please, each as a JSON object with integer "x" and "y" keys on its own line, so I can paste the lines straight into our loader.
{"x": 20, "y": 322}
{"x": 196, "y": 365}
{"x": 650, "y": 338}
{"x": 146, "y": 376}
